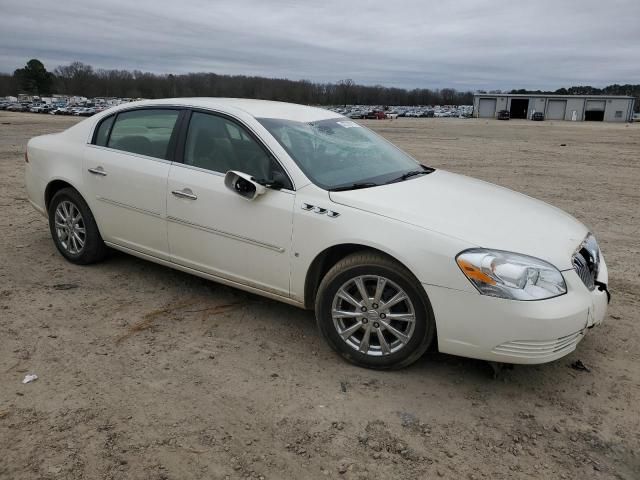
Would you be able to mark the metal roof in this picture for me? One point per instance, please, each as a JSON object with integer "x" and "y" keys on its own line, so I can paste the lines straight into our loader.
{"x": 529, "y": 95}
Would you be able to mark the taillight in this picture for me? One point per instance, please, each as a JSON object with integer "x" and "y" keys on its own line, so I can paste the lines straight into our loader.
{"x": 26, "y": 157}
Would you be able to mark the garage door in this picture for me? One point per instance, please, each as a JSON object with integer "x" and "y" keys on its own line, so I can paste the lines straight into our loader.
{"x": 595, "y": 105}
{"x": 487, "y": 108}
{"x": 556, "y": 109}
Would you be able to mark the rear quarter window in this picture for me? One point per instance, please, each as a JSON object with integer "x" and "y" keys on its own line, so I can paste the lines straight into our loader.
{"x": 102, "y": 132}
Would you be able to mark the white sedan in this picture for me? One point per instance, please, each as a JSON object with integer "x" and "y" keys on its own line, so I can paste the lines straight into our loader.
{"x": 305, "y": 206}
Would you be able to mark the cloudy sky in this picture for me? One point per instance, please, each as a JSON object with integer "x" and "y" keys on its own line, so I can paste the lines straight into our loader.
{"x": 465, "y": 44}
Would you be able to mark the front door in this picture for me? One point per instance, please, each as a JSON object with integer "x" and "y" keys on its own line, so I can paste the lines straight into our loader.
{"x": 215, "y": 230}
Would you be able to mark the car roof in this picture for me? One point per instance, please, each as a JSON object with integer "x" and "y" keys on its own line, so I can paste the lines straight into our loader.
{"x": 253, "y": 107}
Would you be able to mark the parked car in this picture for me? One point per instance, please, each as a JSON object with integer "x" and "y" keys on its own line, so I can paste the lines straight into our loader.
{"x": 635, "y": 117}
{"x": 317, "y": 211}
{"x": 537, "y": 116}
{"x": 59, "y": 111}
{"x": 37, "y": 107}
{"x": 504, "y": 115}
{"x": 84, "y": 111}
{"x": 376, "y": 115}
{"x": 18, "y": 107}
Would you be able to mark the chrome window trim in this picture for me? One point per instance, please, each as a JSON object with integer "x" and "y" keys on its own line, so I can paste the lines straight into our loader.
{"x": 124, "y": 152}
{"x": 191, "y": 108}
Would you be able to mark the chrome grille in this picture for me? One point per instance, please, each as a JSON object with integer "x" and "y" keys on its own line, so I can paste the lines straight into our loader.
{"x": 586, "y": 261}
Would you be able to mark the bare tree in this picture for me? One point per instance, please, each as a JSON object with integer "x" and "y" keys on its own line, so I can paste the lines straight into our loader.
{"x": 345, "y": 87}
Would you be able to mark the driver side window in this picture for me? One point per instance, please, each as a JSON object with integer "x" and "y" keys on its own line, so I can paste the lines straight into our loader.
{"x": 217, "y": 144}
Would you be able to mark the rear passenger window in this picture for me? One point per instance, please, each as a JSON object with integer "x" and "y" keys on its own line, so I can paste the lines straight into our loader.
{"x": 102, "y": 134}
{"x": 145, "y": 132}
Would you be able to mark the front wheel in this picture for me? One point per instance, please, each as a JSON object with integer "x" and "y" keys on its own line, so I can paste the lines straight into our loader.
{"x": 372, "y": 311}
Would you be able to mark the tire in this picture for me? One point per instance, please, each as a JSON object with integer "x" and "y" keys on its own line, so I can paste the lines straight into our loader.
{"x": 87, "y": 247}
{"x": 391, "y": 351}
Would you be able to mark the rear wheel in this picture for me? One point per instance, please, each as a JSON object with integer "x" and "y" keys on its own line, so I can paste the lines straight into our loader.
{"x": 74, "y": 229}
{"x": 372, "y": 311}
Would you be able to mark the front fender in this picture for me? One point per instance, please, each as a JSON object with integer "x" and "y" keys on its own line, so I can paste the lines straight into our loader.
{"x": 430, "y": 256}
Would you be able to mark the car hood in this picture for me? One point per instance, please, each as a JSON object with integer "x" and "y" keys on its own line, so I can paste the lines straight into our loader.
{"x": 483, "y": 214}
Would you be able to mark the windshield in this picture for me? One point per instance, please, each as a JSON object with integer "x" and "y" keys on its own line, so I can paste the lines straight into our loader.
{"x": 339, "y": 153}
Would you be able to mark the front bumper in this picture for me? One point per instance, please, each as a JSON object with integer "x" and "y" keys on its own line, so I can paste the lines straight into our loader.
{"x": 510, "y": 331}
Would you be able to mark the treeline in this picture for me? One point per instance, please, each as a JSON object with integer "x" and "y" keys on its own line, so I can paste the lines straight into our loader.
{"x": 81, "y": 79}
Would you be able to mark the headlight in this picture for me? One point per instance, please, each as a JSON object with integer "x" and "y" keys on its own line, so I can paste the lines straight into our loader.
{"x": 511, "y": 275}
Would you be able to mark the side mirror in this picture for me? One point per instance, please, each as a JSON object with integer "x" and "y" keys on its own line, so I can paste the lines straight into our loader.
{"x": 243, "y": 185}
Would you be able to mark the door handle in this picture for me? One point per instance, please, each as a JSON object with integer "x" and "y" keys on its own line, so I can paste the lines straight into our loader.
{"x": 98, "y": 171}
{"x": 185, "y": 193}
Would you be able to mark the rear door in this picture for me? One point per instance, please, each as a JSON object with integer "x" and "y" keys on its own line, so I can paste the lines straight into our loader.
{"x": 215, "y": 230}
{"x": 126, "y": 170}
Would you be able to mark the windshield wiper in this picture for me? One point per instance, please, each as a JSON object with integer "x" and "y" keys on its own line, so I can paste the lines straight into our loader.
{"x": 353, "y": 186}
{"x": 412, "y": 173}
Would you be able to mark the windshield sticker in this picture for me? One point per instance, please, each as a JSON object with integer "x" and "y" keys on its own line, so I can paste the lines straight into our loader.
{"x": 348, "y": 124}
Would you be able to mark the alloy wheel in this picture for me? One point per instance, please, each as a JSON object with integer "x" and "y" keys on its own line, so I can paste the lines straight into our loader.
{"x": 373, "y": 315}
{"x": 70, "y": 228}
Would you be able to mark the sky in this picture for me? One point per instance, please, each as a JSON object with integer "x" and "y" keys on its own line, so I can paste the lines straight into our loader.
{"x": 463, "y": 44}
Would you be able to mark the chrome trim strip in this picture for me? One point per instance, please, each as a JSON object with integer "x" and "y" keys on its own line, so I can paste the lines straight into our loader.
{"x": 198, "y": 169}
{"x": 128, "y": 207}
{"x": 232, "y": 236}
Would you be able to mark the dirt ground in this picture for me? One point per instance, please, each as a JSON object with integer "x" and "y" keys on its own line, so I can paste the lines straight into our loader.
{"x": 146, "y": 372}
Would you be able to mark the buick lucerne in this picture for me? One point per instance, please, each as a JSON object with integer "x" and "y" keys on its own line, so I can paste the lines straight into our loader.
{"x": 308, "y": 207}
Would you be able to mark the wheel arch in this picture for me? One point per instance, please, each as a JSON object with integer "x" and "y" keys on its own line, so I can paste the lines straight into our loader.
{"x": 326, "y": 259}
{"x": 55, "y": 186}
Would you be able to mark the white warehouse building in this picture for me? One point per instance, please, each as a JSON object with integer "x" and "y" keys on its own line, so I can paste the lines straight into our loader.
{"x": 602, "y": 108}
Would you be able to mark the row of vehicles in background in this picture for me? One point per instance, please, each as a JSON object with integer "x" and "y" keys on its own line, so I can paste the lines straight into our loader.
{"x": 91, "y": 107}
{"x": 85, "y": 110}
{"x": 506, "y": 115}
{"x": 379, "y": 113}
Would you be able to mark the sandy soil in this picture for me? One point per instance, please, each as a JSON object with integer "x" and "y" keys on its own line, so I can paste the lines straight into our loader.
{"x": 150, "y": 373}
